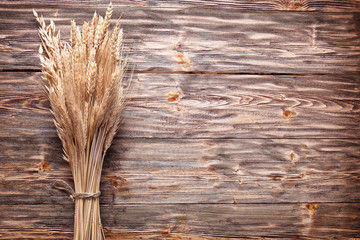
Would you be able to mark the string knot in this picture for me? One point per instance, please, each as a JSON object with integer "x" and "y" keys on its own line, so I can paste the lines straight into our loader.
{"x": 73, "y": 195}
{"x": 86, "y": 195}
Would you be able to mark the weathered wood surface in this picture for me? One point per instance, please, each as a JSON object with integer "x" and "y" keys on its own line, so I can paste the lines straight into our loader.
{"x": 262, "y": 142}
{"x": 191, "y": 221}
{"x": 201, "y": 40}
{"x": 191, "y": 171}
{"x": 287, "y": 5}
{"x": 205, "y": 106}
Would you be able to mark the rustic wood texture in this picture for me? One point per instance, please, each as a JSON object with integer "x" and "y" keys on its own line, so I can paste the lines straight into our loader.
{"x": 191, "y": 221}
{"x": 243, "y": 122}
{"x": 200, "y": 40}
{"x": 191, "y": 171}
{"x": 284, "y": 5}
{"x": 205, "y": 106}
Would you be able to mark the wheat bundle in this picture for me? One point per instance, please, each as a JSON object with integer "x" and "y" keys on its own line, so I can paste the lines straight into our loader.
{"x": 83, "y": 81}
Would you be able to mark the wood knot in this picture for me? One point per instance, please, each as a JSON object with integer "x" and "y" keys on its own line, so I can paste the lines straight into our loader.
{"x": 287, "y": 114}
{"x": 173, "y": 96}
{"x": 294, "y": 5}
{"x": 183, "y": 61}
{"x": 121, "y": 187}
{"x": 293, "y": 156}
{"x": 311, "y": 207}
{"x": 118, "y": 181}
{"x": 44, "y": 166}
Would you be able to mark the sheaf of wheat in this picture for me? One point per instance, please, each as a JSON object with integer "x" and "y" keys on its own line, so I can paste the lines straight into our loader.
{"x": 83, "y": 82}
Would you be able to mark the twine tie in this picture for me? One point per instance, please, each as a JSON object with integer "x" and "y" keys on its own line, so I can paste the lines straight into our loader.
{"x": 73, "y": 195}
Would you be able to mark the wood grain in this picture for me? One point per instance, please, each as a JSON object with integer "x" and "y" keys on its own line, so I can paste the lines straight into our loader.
{"x": 159, "y": 171}
{"x": 265, "y": 5}
{"x": 205, "y": 106}
{"x": 243, "y": 122}
{"x": 191, "y": 40}
{"x": 184, "y": 221}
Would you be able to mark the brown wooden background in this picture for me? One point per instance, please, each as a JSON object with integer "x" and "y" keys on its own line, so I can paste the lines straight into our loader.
{"x": 243, "y": 122}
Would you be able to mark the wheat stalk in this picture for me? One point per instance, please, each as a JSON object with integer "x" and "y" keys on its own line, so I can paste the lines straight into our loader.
{"x": 83, "y": 81}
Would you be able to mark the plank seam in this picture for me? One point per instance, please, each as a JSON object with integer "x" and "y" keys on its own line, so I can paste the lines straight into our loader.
{"x": 204, "y": 73}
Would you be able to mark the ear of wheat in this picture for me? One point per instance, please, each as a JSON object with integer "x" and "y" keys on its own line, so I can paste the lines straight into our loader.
{"x": 83, "y": 81}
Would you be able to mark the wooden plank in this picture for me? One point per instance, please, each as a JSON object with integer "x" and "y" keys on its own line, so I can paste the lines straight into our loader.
{"x": 285, "y": 5}
{"x": 205, "y": 106}
{"x": 145, "y": 171}
{"x": 190, "y": 221}
{"x": 195, "y": 40}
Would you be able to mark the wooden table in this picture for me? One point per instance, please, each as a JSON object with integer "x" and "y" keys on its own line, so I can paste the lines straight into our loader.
{"x": 242, "y": 122}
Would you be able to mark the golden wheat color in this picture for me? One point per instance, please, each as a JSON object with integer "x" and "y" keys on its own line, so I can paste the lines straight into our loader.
{"x": 83, "y": 81}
